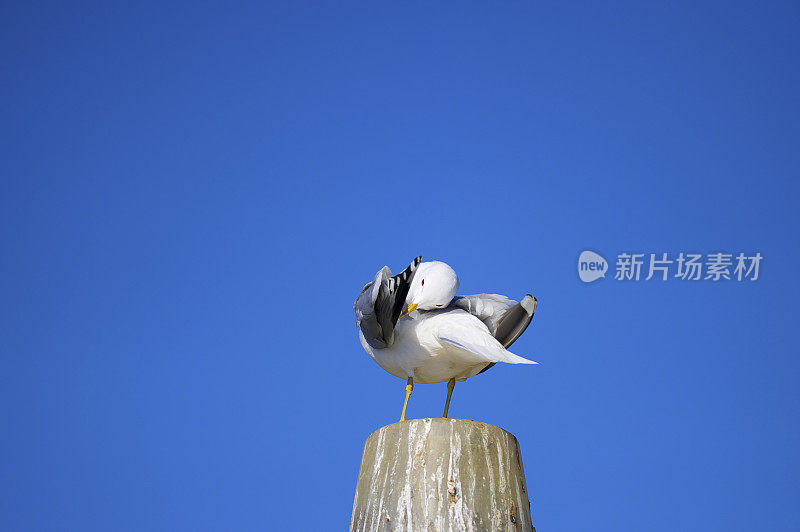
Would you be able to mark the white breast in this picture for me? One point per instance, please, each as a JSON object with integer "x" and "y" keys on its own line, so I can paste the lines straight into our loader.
{"x": 418, "y": 351}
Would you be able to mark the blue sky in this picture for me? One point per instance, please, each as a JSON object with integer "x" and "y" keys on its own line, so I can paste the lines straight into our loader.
{"x": 193, "y": 196}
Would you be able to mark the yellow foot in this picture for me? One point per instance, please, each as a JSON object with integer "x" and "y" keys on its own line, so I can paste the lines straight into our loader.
{"x": 450, "y": 385}
{"x": 409, "y": 389}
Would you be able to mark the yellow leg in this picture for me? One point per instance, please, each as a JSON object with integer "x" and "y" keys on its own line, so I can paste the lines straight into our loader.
{"x": 450, "y": 385}
{"x": 409, "y": 389}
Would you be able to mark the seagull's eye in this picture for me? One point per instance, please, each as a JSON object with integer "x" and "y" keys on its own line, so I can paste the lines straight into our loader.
{"x": 423, "y": 282}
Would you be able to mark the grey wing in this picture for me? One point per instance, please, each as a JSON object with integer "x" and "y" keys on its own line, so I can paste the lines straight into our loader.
{"x": 364, "y": 309}
{"x": 380, "y": 304}
{"x": 505, "y": 318}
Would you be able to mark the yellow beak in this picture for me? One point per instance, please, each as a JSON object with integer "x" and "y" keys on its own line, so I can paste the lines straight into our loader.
{"x": 411, "y": 308}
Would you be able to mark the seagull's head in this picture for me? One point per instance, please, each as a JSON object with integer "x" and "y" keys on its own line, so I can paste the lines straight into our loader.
{"x": 434, "y": 286}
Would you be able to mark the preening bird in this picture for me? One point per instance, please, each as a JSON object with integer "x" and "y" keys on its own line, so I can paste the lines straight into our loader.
{"x": 416, "y": 328}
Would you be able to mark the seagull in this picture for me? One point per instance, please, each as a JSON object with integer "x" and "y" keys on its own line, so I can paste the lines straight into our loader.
{"x": 416, "y": 328}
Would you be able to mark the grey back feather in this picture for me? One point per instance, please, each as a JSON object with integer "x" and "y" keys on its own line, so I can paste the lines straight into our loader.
{"x": 489, "y": 308}
{"x": 380, "y": 304}
{"x": 505, "y": 318}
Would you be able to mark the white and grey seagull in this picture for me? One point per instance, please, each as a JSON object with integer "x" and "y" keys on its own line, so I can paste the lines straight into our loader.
{"x": 416, "y": 328}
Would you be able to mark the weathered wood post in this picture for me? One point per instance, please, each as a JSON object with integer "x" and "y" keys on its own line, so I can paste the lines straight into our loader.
{"x": 441, "y": 474}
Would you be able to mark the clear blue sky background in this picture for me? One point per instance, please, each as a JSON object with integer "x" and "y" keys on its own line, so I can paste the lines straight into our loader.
{"x": 193, "y": 196}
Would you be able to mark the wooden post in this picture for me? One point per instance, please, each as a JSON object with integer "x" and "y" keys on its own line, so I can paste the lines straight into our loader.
{"x": 441, "y": 474}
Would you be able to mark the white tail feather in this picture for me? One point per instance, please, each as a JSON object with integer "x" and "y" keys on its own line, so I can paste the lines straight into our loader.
{"x": 490, "y": 352}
